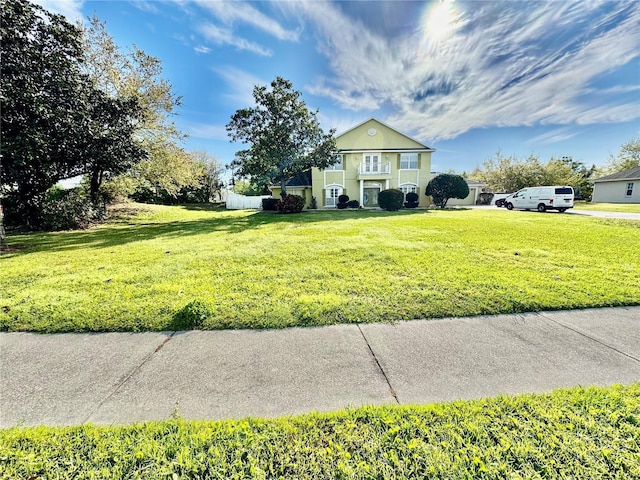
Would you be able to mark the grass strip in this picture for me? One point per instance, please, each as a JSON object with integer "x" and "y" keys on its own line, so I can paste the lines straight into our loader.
{"x": 608, "y": 207}
{"x": 178, "y": 268}
{"x": 570, "y": 433}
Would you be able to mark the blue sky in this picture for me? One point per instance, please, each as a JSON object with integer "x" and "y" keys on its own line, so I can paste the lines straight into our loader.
{"x": 468, "y": 78}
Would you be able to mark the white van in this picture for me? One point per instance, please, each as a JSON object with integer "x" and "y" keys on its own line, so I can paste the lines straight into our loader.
{"x": 555, "y": 197}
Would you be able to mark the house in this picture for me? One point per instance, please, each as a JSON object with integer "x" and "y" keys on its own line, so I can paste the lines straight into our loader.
{"x": 619, "y": 187}
{"x": 475, "y": 189}
{"x": 372, "y": 157}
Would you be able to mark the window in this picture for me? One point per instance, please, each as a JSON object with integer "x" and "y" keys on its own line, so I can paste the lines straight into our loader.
{"x": 332, "y": 194}
{"x": 339, "y": 165}
{"x": 564, "y": 191}
{"x": 408, "y": 188}
{"x": 629, "y": 189}
{"x": 408, "y": 161}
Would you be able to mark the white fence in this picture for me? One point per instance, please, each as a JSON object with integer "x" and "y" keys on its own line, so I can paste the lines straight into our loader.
{"x": 242, "y": 202}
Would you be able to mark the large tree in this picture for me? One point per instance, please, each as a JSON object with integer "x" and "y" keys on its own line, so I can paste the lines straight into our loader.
{"x": 283, "y": 136}
{"x": 627, "y": 157}
{"x": 44, "y": 100}
{"x": 55, "y": 123}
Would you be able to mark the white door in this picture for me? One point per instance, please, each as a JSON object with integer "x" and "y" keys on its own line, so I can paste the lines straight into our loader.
{"x": 371, "y": 163}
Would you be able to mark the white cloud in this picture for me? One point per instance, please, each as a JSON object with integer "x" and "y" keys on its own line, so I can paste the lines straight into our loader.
{"x": 496, "y": 64}
{"x": 205, "y": 130}
{"x": 71, "y": 9}
{"x": 554, "y": 136}
{"x": 145, "y": 6}
{"x": 240, "y": 83}
{"x": 238, "y": 11}
{"x": 202, "y": 49}
{"x": 223, "y": 36}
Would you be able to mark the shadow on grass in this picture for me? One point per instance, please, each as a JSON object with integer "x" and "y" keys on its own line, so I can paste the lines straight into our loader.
{"x": 125, "y": 230}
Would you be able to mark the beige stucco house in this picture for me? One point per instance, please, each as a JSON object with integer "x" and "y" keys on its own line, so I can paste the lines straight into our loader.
{"x": 620, "y": 187}
{"x": 372, "y": 157}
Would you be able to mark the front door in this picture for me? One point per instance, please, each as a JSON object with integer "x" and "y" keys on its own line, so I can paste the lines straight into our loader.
{"x": 370, "y": 197}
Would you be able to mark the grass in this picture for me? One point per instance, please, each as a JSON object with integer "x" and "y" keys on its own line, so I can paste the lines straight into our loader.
{"x": 571, "y": 433}
{"x": 172, "y": 268}
{"x": 608, "y": 207}
{"x": 169, "y": 268}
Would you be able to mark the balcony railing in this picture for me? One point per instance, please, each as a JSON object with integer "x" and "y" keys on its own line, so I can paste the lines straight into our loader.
{"x": 374, "y": 168}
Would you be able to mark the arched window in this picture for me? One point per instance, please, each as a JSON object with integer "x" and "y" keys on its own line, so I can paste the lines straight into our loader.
{"x": 332, "y": 192}
{"x": 408, "y": 188}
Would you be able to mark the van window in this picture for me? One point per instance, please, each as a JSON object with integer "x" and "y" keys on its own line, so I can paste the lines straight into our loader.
{"x": 564, "y": 191}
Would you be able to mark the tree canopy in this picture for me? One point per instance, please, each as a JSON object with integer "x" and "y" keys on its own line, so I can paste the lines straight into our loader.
{"x": 445, "y": 186}
{"x": 55, "y": 124}
{"x": 284, "y": 138}
{"x": 627, "y": 157}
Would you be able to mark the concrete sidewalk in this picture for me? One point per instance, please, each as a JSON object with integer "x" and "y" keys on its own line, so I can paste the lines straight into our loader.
{"x": 67, "y": 379}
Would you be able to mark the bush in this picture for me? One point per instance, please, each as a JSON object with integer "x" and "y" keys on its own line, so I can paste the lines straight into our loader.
{"x": 313, "y": 205}
{"x": 291, "y": 204}
{"x": 341, "y": 205}
{"x": 343, "y": 198}
{"x": 270, "y": 204}
{"x": 445, "y": 186}
{"x": 391, "y": 200}
{"x": 353, "y": 204}
{"x": 68, "y": 210}
{"x": 412, "y": 200}
{"x": 191, "y": 316}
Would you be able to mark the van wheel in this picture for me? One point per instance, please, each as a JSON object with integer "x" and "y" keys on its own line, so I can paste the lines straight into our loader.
{"x": 509, "y": 206}
{"x": 542, "y": 208}
{"x": 562, "y": 210}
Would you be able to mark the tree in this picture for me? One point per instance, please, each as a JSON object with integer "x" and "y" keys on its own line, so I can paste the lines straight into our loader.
{"x": 211, "y": 180}
{"x": 445, "y": 186}
{"x": 284, "y": 138}
{"x": 628, "y": 156}
{"x": 136, "y": 76}
{"x": 44, "y": 103}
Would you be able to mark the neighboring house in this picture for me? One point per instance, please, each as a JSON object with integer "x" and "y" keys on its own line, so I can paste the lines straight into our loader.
{"x": 372, "y": 157}
{"x": 619, "y": 187}
{"x": 475, "y": 189}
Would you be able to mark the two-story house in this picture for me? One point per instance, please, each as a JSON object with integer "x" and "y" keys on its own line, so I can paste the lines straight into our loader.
{"x": 372, "y": 157}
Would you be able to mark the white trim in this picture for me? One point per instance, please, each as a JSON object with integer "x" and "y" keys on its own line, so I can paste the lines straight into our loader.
{"x": 333, "y": 186}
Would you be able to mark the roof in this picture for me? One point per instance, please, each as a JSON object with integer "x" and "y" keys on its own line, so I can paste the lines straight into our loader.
{"x": 632, "y": 173}
{"x": 431, "y": 149}
{"x": 302, "y": 180}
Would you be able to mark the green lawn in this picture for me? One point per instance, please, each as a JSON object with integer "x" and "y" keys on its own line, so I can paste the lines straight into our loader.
{"x": 608, "y": 207}
{"x": 573, "y": 433}
{"x": 176, "y": 268}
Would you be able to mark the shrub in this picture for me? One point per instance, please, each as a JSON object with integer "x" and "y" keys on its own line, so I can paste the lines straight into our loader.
{"x": 391, "y": 200}
{"x": 291, "y": 204}
{"x": 341, "y": 205}
{"x": 445, "y": 186}
{"x": 353, "y": 204}
{"x": 68, "y": 209}
{"x": 313, "y": 205}
{"x": 343, "y": 198}
{"x": 270, "y": 204}
{"x": 412, "y": 200}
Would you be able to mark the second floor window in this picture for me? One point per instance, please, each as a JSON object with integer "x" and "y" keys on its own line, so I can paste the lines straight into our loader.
{"x": 408, "y": 161}
{"x": 339, "y": 165}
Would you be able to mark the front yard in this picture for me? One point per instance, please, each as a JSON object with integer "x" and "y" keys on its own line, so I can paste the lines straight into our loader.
{"x": 170, "y": 268}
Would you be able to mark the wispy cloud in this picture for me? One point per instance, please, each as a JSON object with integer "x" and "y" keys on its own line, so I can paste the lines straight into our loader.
{"x": 223, "y": 36}
{"x": 495, "y": 64}
{"x": 205, "y": 130}
{"x": 554, "y": 136}
{"x": 240, "y": 84}
{"x": 145, "y": 6}
{"x": 202, "y": 49}
{"x": 71, "y": 9}
{"x": 242, "y": 12}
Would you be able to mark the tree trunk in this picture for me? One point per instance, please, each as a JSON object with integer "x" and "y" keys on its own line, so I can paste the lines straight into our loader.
{"x": 283, "y": 189}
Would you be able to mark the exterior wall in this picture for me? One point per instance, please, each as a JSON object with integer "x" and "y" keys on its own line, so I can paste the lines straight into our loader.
{"x": 304, "y": 192}
{"x": 390, "y": 145}
{"x": 616, "y": 192}
{"x": 469, "y": 200}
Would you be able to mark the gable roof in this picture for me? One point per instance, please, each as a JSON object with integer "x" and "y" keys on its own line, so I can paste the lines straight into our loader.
{"x": 632, "y": 173}
{"x": 431, "y": 149}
